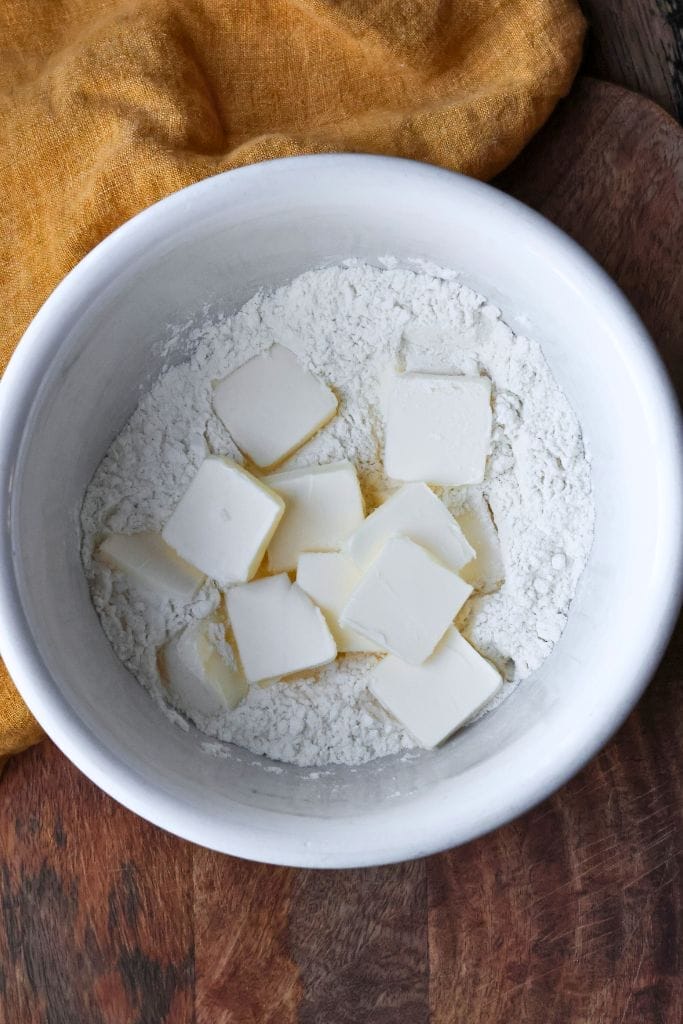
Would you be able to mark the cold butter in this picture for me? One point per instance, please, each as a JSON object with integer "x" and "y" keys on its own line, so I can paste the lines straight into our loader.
{"x": 414, "y": 511}
{"x": 438, "y": 428}
{"x": 200, "y": 677}
{"x": 405, "y": 601}
{"x": 329, "y": 579}
{"x": 277, "y": 628}
{"x": 149, "y": 563}
{"x": 271, "y": 405}
{"x": 224, "y": 521}
{"x": 434, "y": 699}
{"x": 486, "y": 571}
{"x": 323, "y": 505}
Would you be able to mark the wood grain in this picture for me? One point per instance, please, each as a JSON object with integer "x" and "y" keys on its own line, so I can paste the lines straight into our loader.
{"x": 638, "y": 44}
{"x": 361, "y": 940}
{"x": 303, "y": 947}
{"x": 618, "y": 190}
{"x": 244, "y": 971}
{"x": 95, "y": 906}
{"x": 570, "y": 914}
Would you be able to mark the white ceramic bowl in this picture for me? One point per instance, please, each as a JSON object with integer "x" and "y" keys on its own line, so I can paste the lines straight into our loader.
{"x": 78, "y": 374}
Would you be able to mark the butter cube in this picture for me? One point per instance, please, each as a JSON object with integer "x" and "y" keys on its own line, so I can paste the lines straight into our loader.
{"x": 432, "y": 700}
{"x": 486, "y": 571}
{"x": 271, "y": 405}
{"x": 150, "y": 564}
{"x": 201, "y": 671}
{"x": 438, "y": 428}
{"x": 329, "y": 579}
{"x": 323, "y": 505}
{"x": 278, "y": 629}
{"x": 414, "y": 512}
{"x": 224, "y": 521}
{"x": 405, "y": 601}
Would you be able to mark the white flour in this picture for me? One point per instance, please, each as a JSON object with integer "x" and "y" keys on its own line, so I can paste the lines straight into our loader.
{"x": 351, "y": 325}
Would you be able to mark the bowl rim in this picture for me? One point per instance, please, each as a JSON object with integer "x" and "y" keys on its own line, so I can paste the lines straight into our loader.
{"x": 329, "y": 846}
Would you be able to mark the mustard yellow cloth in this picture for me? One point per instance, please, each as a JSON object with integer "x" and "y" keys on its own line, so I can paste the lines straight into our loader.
{"x": 108, "y": 106}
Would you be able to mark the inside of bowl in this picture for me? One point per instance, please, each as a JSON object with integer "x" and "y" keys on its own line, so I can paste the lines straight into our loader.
{"x": 213, "y": 249}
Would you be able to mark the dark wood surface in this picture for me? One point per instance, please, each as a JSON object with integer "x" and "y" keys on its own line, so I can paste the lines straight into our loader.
{"x": 570, "y": 914}
{"x": 638, "y": 44}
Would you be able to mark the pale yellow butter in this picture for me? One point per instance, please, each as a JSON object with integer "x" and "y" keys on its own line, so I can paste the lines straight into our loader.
{"x": 201, "y": 678}
{"x": 329, "y": 579}
{"x": 413, "y": 511}
{"x": 438, "y": 428}
{"x": 278, "y": 629}
{"x": 434, "y": 699}
{"x": 405, "y": 601}
{"x": 271, "y": 405}
{"x": 224, "y": 521}
{"x": 151, "y": 564}
{"x": 486, "y": 571}
{"x": 323, "y": 505}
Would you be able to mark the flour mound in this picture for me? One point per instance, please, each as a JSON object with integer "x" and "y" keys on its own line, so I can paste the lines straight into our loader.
{"x": 352, "y": 325}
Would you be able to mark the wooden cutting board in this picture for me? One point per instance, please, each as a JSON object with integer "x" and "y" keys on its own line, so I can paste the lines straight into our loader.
{"x": 567, "y": 915}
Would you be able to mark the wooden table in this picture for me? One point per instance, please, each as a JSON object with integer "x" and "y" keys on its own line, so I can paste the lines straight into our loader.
{"x": 638, "y": 44}
{"x": 567, "y": 915}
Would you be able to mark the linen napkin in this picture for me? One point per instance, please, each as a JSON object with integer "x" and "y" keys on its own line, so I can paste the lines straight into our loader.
{"x": 109, "y": 105}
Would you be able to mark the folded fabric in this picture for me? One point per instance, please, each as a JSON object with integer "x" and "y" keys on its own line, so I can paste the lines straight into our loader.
{"x": 106, "y": 108}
